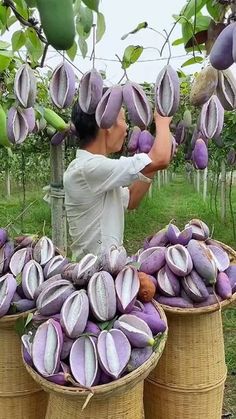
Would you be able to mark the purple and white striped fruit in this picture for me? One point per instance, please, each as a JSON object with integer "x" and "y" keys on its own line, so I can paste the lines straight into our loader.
{"x": 231, "y": 273}
{"x": 17, "y": 126}
{"x": 152, "y": 259}
{"x": 226, "y": 89}
{"x": 84, "y": 361}
{"x": 221, "y": 257}
{"x": 179, "y": 260}
{"x": 221, "y": 56}
{"x": 3, "y": 236}
{"x": 148, "y": 313}
{"x": 180, "y": 133}
{"x": 6, "y": 252}
{"x": 32, "y": 278}
{"x": 19, "y": 260}
{"x": 52, "y": 298}
{"x": 114, "y": 352}
{"x": 74, "y": 314}
{"x": 46, "y": 348}
{"x": 55, "y": 266}
{"x": 133, "y": 139}
{"x": 137, "y": 104}
{"x": 27, "y": 345}
{"x": 46, "y": 284}
{"x": 92, "y": 327}
{"x": 62, "y": 85}
{"x": 59, "y": 136}
{"x": 167, "y": 91}
{"x": 25, "y": 86}
{"x": 109, "y": 107}
{"x": 174, "y": 301}
{"x": 212, "y": 118}
{"x": 85, "y": 269}
{"x": 195, "y": 287}
{"x": 203, "y": 261}
{"x": 145, "y": 141}
{"x": 23, "y": 305}
{"x": 167, "y": 282}
{"x": 113, "y": 259}
{"x": 66, "y": 347}
{"x": 127, "y": 287}
{"x": 7, "y": 289}
{"x": 158, "y": 240}
{"x": 44, "y": 250}
{"x": 200, "y": 230}
{"x": 90, "y": 91}
{"x": 136, "y": 330}
{"x": 200, "y": 154}
{"x": 102, "y": 296}
{"x": 223, "y": 286}
{"x": 138, "y": 357}
{"x": 29, "y": 115}
{"x": 175, "y": 236}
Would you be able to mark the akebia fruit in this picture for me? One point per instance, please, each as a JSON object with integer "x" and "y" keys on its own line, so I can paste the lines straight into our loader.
{"x": 127, "y": 287}
{"x": 62, "y": 85}
{"x": 32, "y": 278}
{"x": 84, "y": 361}
{"x": 43, "y": 250}
{"x": 167, "y": 91}
{"x": 145, "y": 141}
{"x": 29, "y": 115}
{"x": 212, "y": 118}
{"x": 152, "y": 259}
{"x": 85, "y": 269}
{"x": 168, "y": 283}
{"x": 200, "y": 230}
{"x": 90, "y": 91}
{"x": 221, "y": 56}
{"x": 226, "y": 89}
{"x": 200, "y": 154}
{"x": 17, "y": 127}
{"x": 51, "y": 299}
{"x": 137, "y": 104}
{"x": 195, "y": 287}
{"x": 204, "y": 86}
{"x": 203, "y": 261}
{"x": 175, "y": 236}
{"x": 109, "y": 107}
{"x": 136, "y": 330}
{"x": 74, "y": 314}
{"x": 25, "y": 86}
{"x": 57, "y": 20}
{"x": 133, "y": 139}
{"x": 178, "y": 260}
{"x": 102, "y": 296}
{"x": 113, "y": 259}
{"x": 7, "y": 289}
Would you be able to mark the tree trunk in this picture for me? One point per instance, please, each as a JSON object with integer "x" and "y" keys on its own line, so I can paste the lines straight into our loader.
{"x": 58, "y": 216}
{"x": 8, "y": 183}
{"x": 205, "y": 184}
{"x": 223, "y": 191}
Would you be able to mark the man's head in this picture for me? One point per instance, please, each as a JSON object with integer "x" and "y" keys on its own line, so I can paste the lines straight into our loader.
{"x": 88, "y": 131}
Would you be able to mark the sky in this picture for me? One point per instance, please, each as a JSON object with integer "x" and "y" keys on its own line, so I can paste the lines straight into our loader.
{"x": 121, "y": 17}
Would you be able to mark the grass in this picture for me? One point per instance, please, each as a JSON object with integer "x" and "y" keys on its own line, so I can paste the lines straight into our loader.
{"x": 178, "y": 201}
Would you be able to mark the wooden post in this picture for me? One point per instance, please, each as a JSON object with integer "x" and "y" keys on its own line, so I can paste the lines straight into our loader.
{"x": 8, "y": 182}
{"x": 223, "y": 191}
{"x": 159, "y": 179}
{"x": 166, "y": 176}
{"x": 198, "y": 181}
{"x": 58, "y": 216}
{"x": 205, "y": 184}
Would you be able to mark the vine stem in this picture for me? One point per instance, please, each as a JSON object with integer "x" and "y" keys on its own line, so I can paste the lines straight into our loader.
{"x": 216, "y": 190}
{"x": 20, "y": 215}
{"x": 93, "y": 55}
{"x": 125, "y": 72}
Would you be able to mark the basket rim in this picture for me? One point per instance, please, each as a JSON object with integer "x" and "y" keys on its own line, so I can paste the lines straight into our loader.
{"x": 209, "y": 309}
{"x": 11, "y": 319}
{"x": 133, "y": 377}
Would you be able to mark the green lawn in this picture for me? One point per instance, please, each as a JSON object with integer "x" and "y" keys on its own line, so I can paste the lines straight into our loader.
{"x": 178, "y": 201}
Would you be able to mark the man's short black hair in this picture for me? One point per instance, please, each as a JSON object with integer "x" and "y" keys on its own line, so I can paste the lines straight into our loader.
{"x": 85, "y": 124}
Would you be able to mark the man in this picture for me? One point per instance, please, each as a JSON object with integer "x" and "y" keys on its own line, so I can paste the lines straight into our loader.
{"x": 98, "y": 189}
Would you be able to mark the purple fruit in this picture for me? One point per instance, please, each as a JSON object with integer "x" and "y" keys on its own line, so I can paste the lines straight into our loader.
{"x": 167, "y": 282}
{"x": 222, "y": 52}
{"x": 203, "y": 261}
{"x": 74, "y": 314}
{"x": 102, "y": 296}
{"x": 133, "y": 139}
{"x": 223, "y": 286}
{"x": 138, "y": 357}
{"x": 174, "y": 301}
{"x": 145, "y": 141}
{"x": 231, "y": 273}
{"x": 200, "y": 154}
{"x": 135, "y": 329}
{"x": 175, "y": 236}
{"x": 3, "y": 236}
{"x": 152, "y": 259}
{"x": 179, "y": 260}
{"x": 84, "y": 361}
{"x": 7, "y": 290}
{"x": 194, "y": 287}
{"x": 127, "y": 287}
{"x": 221, "y": 257}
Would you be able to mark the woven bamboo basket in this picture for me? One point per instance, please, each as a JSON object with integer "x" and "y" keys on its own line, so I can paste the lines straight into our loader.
{"x": 20, "y": 396}
{"x": 188, "y": 382}
{"x": 121, "y": 399}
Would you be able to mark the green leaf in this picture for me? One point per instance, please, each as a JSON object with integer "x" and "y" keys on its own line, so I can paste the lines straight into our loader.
{"x": 187, "y": 31}
{"x": 29, "y": 319}
{"x": 215, "y": 10}
{"x": 189, "y": 9}
{"x": 131, "y": 55}
{"x": 140, "y": 26}
{"x": 5, "y": 59}
{"x": 84, "y": 21}
{"x": 192, "y": 60}
{"x": 19, "y": 278}
{"x": 101, "y": 27}
{"x": 4, "y": 45}
{"x": 92, "y": 4}
{"x": 11, "y": 20}
{"x": 20, "y": 326}
{"x": 33, "y": 45}
{"x": 72, "y": 51}
{"x": 177, "y": 42}
{"x": 4, "y": 14}
{"x": 83, "y": 46}
{"x": 18, "y": 40}
{"x": 21, "y": 8}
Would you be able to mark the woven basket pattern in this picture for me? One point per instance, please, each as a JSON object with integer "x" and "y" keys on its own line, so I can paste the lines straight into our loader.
{"x": 121, "y": 399}
{"x": 20, "y": 396}
{"x": 188, "y": 382}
